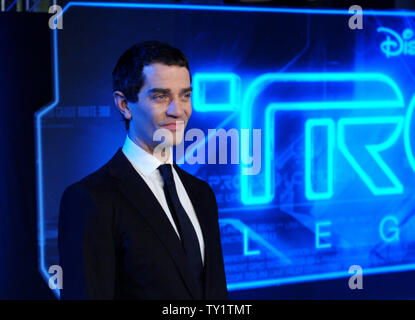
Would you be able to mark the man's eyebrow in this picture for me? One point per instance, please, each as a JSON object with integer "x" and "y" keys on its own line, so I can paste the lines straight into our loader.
{"x": 165, "y": 91}
{"x": 157, "y": 90}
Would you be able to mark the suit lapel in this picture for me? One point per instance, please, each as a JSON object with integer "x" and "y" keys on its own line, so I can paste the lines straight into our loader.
{"x": 139, "y": 194}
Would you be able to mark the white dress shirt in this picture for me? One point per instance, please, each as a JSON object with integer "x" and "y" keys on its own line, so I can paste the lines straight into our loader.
{"x": 146, "y": 165}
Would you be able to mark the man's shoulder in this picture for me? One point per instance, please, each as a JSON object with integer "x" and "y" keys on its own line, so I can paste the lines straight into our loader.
{"x": 97, "y": 183}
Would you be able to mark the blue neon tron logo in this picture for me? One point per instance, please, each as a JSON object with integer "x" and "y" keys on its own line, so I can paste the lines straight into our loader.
{"x": 336, "y": 133}
{"x": 395, "y": 44}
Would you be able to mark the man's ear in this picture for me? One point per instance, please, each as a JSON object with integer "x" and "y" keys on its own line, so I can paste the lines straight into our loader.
{"x": 122, "y": 104}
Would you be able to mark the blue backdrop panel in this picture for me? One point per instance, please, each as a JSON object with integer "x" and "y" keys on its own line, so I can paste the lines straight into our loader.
{"x": 333, "y": 181}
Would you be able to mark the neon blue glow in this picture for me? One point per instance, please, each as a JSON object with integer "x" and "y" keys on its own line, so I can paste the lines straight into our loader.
{"x": 248, "y": 252}
{"x": 34, "y": 6}
{"x": 315, "y": 277}
{"x": 199, "y": 91}
{"x": 39, "y": 165}
{"x": 11, "y": 5}
{"x": 320, "y": 235}
{"x": 400, "y": 46}
{"x": 309, "y": 151}
{"x": 246, "y": 197}
{"x": 243, "y": 228}
{"x": 398, "y": 13}
{"x": 407, "y": 133}
{"x": 262, "y": 82}
{"x": 395, "y": 236}
{"x": 374, "y": 151}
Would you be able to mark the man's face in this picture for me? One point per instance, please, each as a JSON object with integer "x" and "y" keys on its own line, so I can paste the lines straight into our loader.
{"x": 164, "y": 102}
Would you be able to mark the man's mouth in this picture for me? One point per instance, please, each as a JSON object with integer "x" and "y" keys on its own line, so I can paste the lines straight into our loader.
{"x": 178, "y": 125}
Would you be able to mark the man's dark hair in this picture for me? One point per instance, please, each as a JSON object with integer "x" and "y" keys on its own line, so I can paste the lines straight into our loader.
{"x": 128, "y": 76}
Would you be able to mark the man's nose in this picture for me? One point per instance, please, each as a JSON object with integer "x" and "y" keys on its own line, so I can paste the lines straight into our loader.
{"x": 175, "y": 109}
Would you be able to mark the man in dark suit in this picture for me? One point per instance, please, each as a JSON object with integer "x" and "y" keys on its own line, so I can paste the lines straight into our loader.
{"x": 140, "y": 227}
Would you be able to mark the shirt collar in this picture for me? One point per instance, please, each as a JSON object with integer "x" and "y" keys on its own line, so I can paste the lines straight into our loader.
{"x": 141, "y": 159}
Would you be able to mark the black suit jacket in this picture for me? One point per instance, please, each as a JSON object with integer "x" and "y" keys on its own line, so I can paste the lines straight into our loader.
{"x": 116, "y": 242}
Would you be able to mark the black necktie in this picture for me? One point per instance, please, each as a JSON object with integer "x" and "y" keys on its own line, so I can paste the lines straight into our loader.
{"x": 187, "y": 232}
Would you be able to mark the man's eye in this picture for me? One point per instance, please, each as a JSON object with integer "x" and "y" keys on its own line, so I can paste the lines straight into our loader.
{"x": 187, "y": 95}
{"x": 159, "y": 97}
